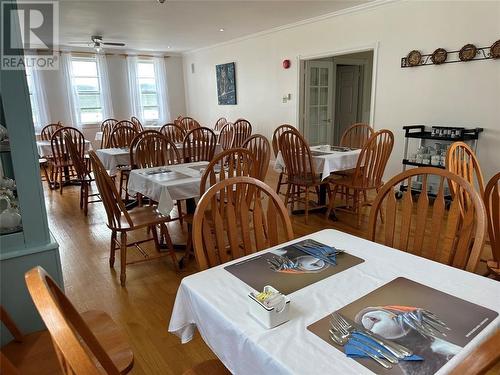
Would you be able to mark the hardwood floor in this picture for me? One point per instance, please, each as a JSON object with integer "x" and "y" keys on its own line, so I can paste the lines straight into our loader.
{"x": 143, "y": 307}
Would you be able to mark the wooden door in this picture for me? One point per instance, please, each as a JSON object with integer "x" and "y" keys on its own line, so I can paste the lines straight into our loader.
{"x": 346, "y": 99}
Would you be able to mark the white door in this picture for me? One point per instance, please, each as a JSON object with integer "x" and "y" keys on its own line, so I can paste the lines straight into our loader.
{"x": 346, "y": 98}
{"x": 318, "y": 102}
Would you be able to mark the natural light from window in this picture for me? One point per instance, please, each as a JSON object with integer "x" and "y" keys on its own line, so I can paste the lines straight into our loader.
{"x": 34, "y": 105}
{"x": 85, "y": 80}
{"x": 147, "y": 86}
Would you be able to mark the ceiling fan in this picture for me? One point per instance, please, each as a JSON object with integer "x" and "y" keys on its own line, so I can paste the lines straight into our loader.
{"x": 97, "y": 43}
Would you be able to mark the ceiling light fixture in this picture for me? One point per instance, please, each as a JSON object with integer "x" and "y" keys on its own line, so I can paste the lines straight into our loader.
{"x": 221, "y": 29}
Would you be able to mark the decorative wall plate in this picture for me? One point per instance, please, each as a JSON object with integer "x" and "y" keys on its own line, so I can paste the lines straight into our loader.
{"x": 495, "y": 50}
{"x": 468, "y": 52}
{"x": 439, "y": 56}
{"x": 414, "y": 58}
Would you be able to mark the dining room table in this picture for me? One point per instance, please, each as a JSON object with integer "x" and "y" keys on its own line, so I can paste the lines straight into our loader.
{"x": 45, "y": 148}
{"x": 216, "y": 303}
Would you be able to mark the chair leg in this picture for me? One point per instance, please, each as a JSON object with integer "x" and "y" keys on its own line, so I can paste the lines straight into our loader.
{"x": 61, "y": 178}
{"x": 169, "y": 243}
{"x": 112, "y": 249}
{"x": 287, "y": 195}
{"x": 86, "y": 198}
{"x": 331, "y": 202}
{"x": 307, "y": 203}
{"x": 121, "y": 184}
{"x": 280, "y": 179}
{"x": 123, "y": 257}
{"x": 179, "y": 212}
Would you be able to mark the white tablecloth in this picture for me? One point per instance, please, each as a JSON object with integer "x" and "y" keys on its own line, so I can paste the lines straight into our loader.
{"x": 45, "y": 148}
{"x": 161, "y": 188}
{"x": 214, "y": 302}
{"x": 325, "y": 164}
{"x": 111, "y": 158}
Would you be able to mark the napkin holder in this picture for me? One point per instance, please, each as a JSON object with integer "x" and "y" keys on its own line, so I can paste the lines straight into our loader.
{"x": 269, "y": 317}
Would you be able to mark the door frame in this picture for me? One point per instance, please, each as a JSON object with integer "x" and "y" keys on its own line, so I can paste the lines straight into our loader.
{"x": 300, "y": 61}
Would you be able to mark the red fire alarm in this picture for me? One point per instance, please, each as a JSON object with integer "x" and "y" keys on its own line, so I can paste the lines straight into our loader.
{"x": 286, "y": 64}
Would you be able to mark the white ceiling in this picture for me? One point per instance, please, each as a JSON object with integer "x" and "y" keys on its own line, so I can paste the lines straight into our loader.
{"x": 183, "y": 25}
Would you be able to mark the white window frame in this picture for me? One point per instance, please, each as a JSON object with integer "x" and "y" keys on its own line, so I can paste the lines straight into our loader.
{"x": 155, "y": 78}
{"x": 35, "y": 106}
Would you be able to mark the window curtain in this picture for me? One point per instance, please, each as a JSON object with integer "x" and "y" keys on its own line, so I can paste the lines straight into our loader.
{"x": 71, "y": 95}
{"x": 162, "y": 90}
{"x": 134, "y": 89}
{"x": 40, "y": 98}
{"x": 107, "y": 103}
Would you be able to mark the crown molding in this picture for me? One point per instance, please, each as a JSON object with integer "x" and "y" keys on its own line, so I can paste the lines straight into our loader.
{"x": 355, "y": 9}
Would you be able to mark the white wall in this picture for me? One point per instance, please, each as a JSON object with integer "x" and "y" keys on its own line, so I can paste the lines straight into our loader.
{"x": 462, "y": 94}
{"x": 117, "y": 69}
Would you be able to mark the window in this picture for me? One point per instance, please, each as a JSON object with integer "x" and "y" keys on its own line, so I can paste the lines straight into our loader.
{"x": 147, "y": 87}
{"x": 35, "y": 109}
{"x": 85, "y": 81}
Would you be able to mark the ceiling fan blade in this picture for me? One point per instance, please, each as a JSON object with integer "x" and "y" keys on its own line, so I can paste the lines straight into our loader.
{"x": 114, "y": 44}
{"x": 85, "y": 42}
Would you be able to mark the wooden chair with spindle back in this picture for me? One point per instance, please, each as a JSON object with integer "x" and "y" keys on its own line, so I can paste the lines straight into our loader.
{"x": 154, "y": 150}
{"x": 27, "y": 354}
{"x": 199, "y": 145}
{"x": 49, "y": 130}
{"x": 122, "y": 136}
{"x": 226, "y": 136}
{"x": 83, "y": 174}
{"x": 122, "y": 221}
{"x": 220, "y": 123}
{"x": 86, "y": 343}
{"x": 367, "y": 176}
{"x": 259, "y": 146}
{"x": 173, "y": 132}
{"x": 189, "y": 123}
{"x": 61, "y": 161}
{"x": 45, "y": 161}
{"x": 242, "y": 130}
{"x": 356, "y": 135}
{"x": 492, "y": 203}
{"x": 107, "y": 127}
{"x": 302, "y": 175}
{"x": 276, "y": 148}
{"x": 235, "y": 209}
{"x": 445, "y": 236}
{"x": 137, "y": 124}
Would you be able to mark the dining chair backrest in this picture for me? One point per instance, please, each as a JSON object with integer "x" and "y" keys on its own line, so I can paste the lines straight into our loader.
{"x": 111, "y": 122}
{"x": 230, "y": 163}
{"x": 276, "y": 136}
{"x": 189, "y": 123}
{"x": 372, "y": 160}
{"x": 173, "y": 132}
{"x": 356, "y": 135}
{"x": 232, "y": 220}
{"x": 125, "y": 123}
{"x": 136, "y": 140}
{"x": 137, "y": 124}
{"x": 297, "y": 156}
{"x": 76, "y": 346}
{"x": 111, "y": 199}
{"x": 122, "y": 136}
{"x": 430, "y": 230}
{"x": 48, "y": 131}
{"x": 199, "y": 145}
{"x": 220, "y": 123}
{"x": 226, "y": 136}
{"x": 76, "y": 157}
{"x": 58, "y": 144}
{"x": 242, "y": 130}
{"x": 461, "y": 160}
{"x": 259, "y": 146}
{"x": 154, "y": 150}
{"x": 107, "y": 127}
{"x": 492, "y": 203}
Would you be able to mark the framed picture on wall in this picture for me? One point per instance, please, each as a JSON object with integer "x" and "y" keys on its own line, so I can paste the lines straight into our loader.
{"x": 226, "y": 84}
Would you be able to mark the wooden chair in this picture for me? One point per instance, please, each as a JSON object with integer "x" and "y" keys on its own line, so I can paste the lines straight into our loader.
{"x": 492, "y": 203}
{"x": 87, "y": 343}
{"x": 220, "y": 123}
{"x": 30, "y": 354}
{"x": 482, "y": 360}
{"x": 442, "y": 235}
{"x": 189, "y": 123}
{"x": 461, "y": 160}
{"x": 259, "y": 146}
{"x": 154, "y": 150}
{"x": 137, "y": 124}
{"x": 107, "y": 127}
{"x": 83, "y": 174}
{"x": 356, "y": 135}
{"x": 48, "y": 131}
{"x": 122, "y": 221}
{"x": 366, "y": 176}
{"x": 276, "y": 148}
{"x": 173, "y": 132}
{"x": 232, "y": 220}
{"x": 242, "y": 130}
{"x": 61, "y": 164}
{"x": 302, "y": 175}
{"x": 226, "y": 136}
{"x": 122, "y": 136}
{"x": 199, "y": 144}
